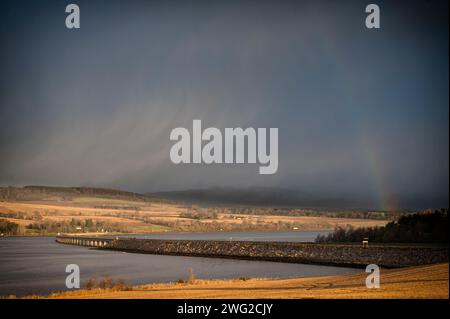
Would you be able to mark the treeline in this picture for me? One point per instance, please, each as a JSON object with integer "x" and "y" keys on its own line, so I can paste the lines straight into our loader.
{"x": 75, "y": 225}
{"x": 200, "y": 215}
{"x": 301, "y": 212}
{"x": 8, "y": 228}
{"x": 428, "y": 227}
{"x": 208, "y": 225}
{"x": 376, "y": 215}
{"x": 46, "y": 227}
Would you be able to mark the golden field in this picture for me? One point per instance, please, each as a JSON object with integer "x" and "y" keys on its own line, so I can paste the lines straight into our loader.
{"x": 422, "y": 282}
{"x": 145, "y": 217}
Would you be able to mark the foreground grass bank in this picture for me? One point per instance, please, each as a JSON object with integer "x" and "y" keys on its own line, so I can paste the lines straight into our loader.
{"x": 413, "y": 282}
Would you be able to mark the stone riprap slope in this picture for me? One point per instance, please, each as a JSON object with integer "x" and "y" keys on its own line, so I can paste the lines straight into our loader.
{"x": 327, "y": 254}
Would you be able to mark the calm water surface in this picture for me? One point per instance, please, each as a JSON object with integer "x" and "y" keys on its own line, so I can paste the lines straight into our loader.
{"x": 292, "y": 236}
{"x": 36, "y": 265}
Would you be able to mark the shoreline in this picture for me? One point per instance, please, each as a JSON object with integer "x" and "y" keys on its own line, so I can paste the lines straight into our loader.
{"x": 421, "y": 282}
{"x": 177, "y": 232}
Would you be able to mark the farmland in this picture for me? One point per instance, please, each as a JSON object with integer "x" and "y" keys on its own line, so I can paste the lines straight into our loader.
{"x": 49, "y": 212}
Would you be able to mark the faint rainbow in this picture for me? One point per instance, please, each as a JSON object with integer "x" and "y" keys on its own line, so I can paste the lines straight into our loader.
{"x": 377, "y": 171}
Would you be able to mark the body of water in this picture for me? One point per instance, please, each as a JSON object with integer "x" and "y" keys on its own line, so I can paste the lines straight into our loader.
{"x": 36, "y": 265}
{"x": 287, "y": 236}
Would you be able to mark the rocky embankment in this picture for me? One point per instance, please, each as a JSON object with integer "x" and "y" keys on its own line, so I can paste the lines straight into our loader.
{"x": 326, "y": 254}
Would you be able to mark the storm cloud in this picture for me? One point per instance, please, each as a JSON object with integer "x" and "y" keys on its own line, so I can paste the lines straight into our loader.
{"x": 360, "y": 112}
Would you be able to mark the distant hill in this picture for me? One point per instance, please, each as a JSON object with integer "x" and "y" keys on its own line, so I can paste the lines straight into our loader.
{"x": 219, "y": 196}
{"x": 291, "y": 198}
{"x": 253, "y": 196}
{"x": 29, "y": 193}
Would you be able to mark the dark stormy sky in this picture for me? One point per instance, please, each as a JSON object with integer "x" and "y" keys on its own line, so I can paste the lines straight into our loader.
{"x": 361, "y": 113}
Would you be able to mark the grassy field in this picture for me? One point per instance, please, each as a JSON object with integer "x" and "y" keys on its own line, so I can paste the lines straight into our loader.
{"x": 146, "y": 217}
{"x": 414, "y": 282}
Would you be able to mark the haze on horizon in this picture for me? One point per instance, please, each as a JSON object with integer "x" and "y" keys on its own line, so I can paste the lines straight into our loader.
{"x": 361, "y": 113}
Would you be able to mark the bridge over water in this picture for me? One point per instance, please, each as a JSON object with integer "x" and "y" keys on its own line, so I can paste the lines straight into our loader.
{"x": 85, "y": 241}
{"x": 389, "y": 256}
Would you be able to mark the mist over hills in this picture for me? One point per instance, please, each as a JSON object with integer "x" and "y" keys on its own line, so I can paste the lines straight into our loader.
{"x": 284, "y": 197}
{"x": 222, "y": 196}
{"x": 258, "y": 196}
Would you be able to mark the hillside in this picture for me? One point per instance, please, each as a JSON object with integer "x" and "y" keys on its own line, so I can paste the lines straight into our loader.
{"x": 250, "y": 196}
{"x": 31, "y": 193}
{"x": 44, "y": 210}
